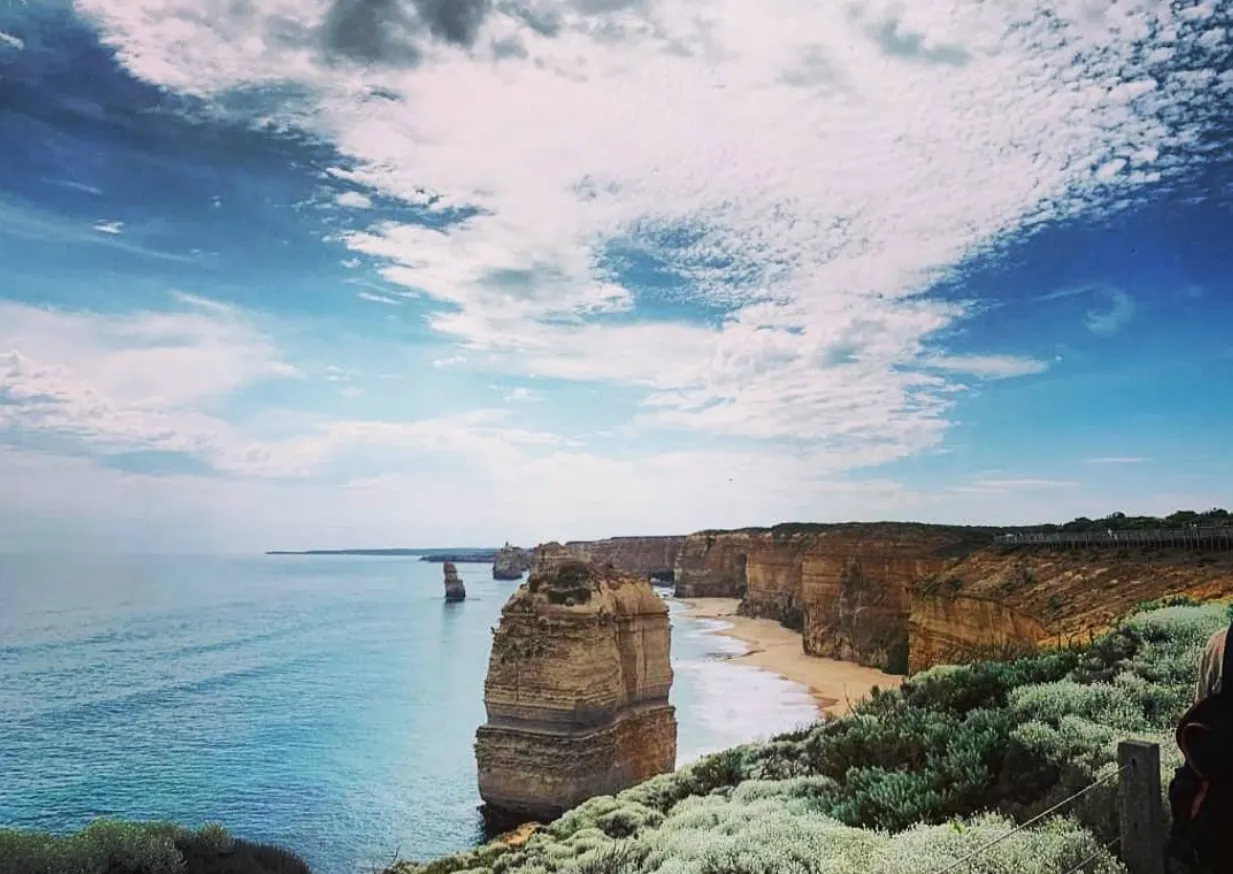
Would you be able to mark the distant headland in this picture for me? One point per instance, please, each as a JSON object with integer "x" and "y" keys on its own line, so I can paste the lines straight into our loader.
{"x": 458, "y": 556}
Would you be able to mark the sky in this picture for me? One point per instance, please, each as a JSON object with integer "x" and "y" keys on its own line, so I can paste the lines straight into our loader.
{"x": 326, "y": 273}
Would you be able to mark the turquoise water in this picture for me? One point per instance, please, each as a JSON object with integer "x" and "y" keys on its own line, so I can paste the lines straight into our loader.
{"x": 328, "y": 704}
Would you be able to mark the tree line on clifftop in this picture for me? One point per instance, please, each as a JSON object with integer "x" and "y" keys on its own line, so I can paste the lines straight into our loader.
{"x": 914, "y": 778}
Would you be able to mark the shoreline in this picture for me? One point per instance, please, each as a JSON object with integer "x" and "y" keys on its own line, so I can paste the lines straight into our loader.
{"x": 834, "y": 685}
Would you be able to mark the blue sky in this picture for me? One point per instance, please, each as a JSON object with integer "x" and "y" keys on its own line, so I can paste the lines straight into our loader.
{"x": 322, "y": 273}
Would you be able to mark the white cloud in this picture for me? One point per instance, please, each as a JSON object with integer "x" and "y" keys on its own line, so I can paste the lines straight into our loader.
{"x": 354, "y": 199}
{"x": 1115, "y": 307}
{"x": 378, "y": 298}
{"x": 1022, "y": 483}
{"x": 1117, "y": 459}
{"x": 13, "y": 42}
{"x": 1119, "y": 310}
{"x": 887, "y": 166}
{"x": 109, "y": 227}
{"x": 520, "y": 393}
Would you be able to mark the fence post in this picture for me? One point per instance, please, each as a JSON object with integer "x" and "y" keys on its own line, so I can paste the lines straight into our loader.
{"x": 1142, "y": 815}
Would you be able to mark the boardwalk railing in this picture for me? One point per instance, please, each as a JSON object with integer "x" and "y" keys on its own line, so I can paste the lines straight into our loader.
{"x": 1204, "y": 538}
{"x": 1141, "y": 838}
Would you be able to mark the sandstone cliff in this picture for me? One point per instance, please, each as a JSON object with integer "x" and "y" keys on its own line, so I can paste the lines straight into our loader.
{"x": 510, "y": 563}
{"x": 454, "y": 588}
{"x": 711, "y": 564}
{"x": 576, "y": 693}
{"x": 845, "y": 587}
{"x": 999, "y": 602}
{"x": 654, "y": 557}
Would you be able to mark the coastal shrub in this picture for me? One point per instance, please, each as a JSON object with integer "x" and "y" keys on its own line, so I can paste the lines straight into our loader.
{"x": 110, "y": 846}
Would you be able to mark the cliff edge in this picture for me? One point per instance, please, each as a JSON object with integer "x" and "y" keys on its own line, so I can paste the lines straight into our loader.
{"x": 576, "y": 692}
{"x": 510, "y": 563}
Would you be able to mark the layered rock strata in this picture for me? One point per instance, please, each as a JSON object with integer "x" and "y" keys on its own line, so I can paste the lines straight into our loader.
{"x": 999, "y": 602}
{"x": 576, "y": 693}
{"x": 510, "y": 563}
{"x": 454, "y": 588}
{"x": 711, "y": 564}
{"x": 654, "y": 557}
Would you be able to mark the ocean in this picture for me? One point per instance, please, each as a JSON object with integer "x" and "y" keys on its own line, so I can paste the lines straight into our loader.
{"x": 324, "y": 703}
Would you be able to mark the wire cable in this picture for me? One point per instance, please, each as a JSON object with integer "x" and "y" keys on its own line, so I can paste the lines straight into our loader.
{"x": 1037, "y": 818}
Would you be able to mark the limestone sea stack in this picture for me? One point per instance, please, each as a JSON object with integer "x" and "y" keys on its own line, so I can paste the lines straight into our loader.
{"x": 454, "y": 589}
{"x": 576, "y": 693}
{"x": 510, "y": 564}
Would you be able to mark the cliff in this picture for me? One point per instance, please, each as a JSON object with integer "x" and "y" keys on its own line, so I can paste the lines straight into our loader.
{"x": 454, "y": 588}
{"x": 510, "y": 563}
{"x": 1000, "y": 602}
{"x": 845, "y": 586}
{"x": 576, "y": 692}
{"x": 711, "y": 564}
{"x": 654, "y": 557}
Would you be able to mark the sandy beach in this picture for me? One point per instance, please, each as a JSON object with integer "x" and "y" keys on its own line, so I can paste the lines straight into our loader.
{"x": 835, "y": 685}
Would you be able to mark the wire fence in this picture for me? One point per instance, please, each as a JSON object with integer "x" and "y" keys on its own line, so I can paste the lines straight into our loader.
{"x": 1141, "y": 821}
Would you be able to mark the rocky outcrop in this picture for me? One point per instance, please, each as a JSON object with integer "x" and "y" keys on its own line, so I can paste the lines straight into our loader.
{"x": 654, "y": 557}
{"x": 454, "y": 588}
{"x": 510, "y": 563}
{"x": 550, "y": 556}
{"x": 711, "y": 564}
{"x": 1000, "y": 602}
{"x": 576, "y": 693}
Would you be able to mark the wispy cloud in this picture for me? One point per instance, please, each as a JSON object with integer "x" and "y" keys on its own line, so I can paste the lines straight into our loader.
{"x": 13, "y": 42}
{"x": 354, "y": 200}
{"x": 1023, "y": 483}
{"x": 104, "y": 227}
{"x": 1115, "y": 306}
{"x": 816, "y": 242}
{"x": 1117, "y": 459}
{"x": 378, "y": 298}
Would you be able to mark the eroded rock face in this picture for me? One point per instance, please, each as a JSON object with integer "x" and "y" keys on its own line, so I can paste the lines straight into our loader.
{"x": 576, "y": 693}
{"x": 711, "y": 564}
{"x": 654, "y": 557}
{"x": 511, "y": 563}
{"x": 998, "y": 602}
{"x": 454, "y": 588}
{"x": 843, "y": 586}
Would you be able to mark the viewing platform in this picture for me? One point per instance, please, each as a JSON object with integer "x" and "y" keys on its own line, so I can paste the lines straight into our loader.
{"x": 1197, "y": 537}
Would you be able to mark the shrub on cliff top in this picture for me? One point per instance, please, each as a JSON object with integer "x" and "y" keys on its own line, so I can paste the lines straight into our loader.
{"x": 109, "y": 846}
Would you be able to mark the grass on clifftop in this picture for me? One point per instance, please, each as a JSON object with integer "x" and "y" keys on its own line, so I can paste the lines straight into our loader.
{"x": 915, "y": 778}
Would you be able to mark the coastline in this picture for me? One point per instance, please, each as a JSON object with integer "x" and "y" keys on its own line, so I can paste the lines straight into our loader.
{"x": 834, "y": 685}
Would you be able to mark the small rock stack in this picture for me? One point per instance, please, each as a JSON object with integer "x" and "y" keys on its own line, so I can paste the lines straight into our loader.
{"x": 454, "y": 589}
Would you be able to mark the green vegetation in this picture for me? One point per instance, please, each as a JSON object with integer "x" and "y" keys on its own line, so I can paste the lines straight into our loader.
{"x": 109, "y": 846}
{"x": 915, "y": 778}
{"x": 1214, "y": 518}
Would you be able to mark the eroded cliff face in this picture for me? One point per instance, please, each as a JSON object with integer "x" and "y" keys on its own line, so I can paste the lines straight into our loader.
{"x": 576, "y": 693}
{"x": 711, "y": 564}
{"x": 843, "y": 586}
{"x": 510, "y": 563}
{"x": 1000, "y": 602}
{"x": 654, "y": 557}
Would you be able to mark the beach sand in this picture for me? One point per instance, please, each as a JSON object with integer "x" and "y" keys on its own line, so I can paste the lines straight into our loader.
{"x": 835, "y": 685}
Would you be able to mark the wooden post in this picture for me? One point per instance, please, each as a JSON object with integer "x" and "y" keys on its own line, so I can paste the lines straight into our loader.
{"x": 1142, "y": 815}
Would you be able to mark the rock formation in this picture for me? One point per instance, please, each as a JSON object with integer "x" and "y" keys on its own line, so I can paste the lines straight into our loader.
{"x": 576, "y": 693}
{"x": 711, "y": 564}
{"x": 1000, "y": 602}
{"x": 510, "y": 563}
{"x": 550, "y": 556}
{"x": 845, "y": 587}
{"x": 454, "y": 589}
{"x": 654, "y": 557}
